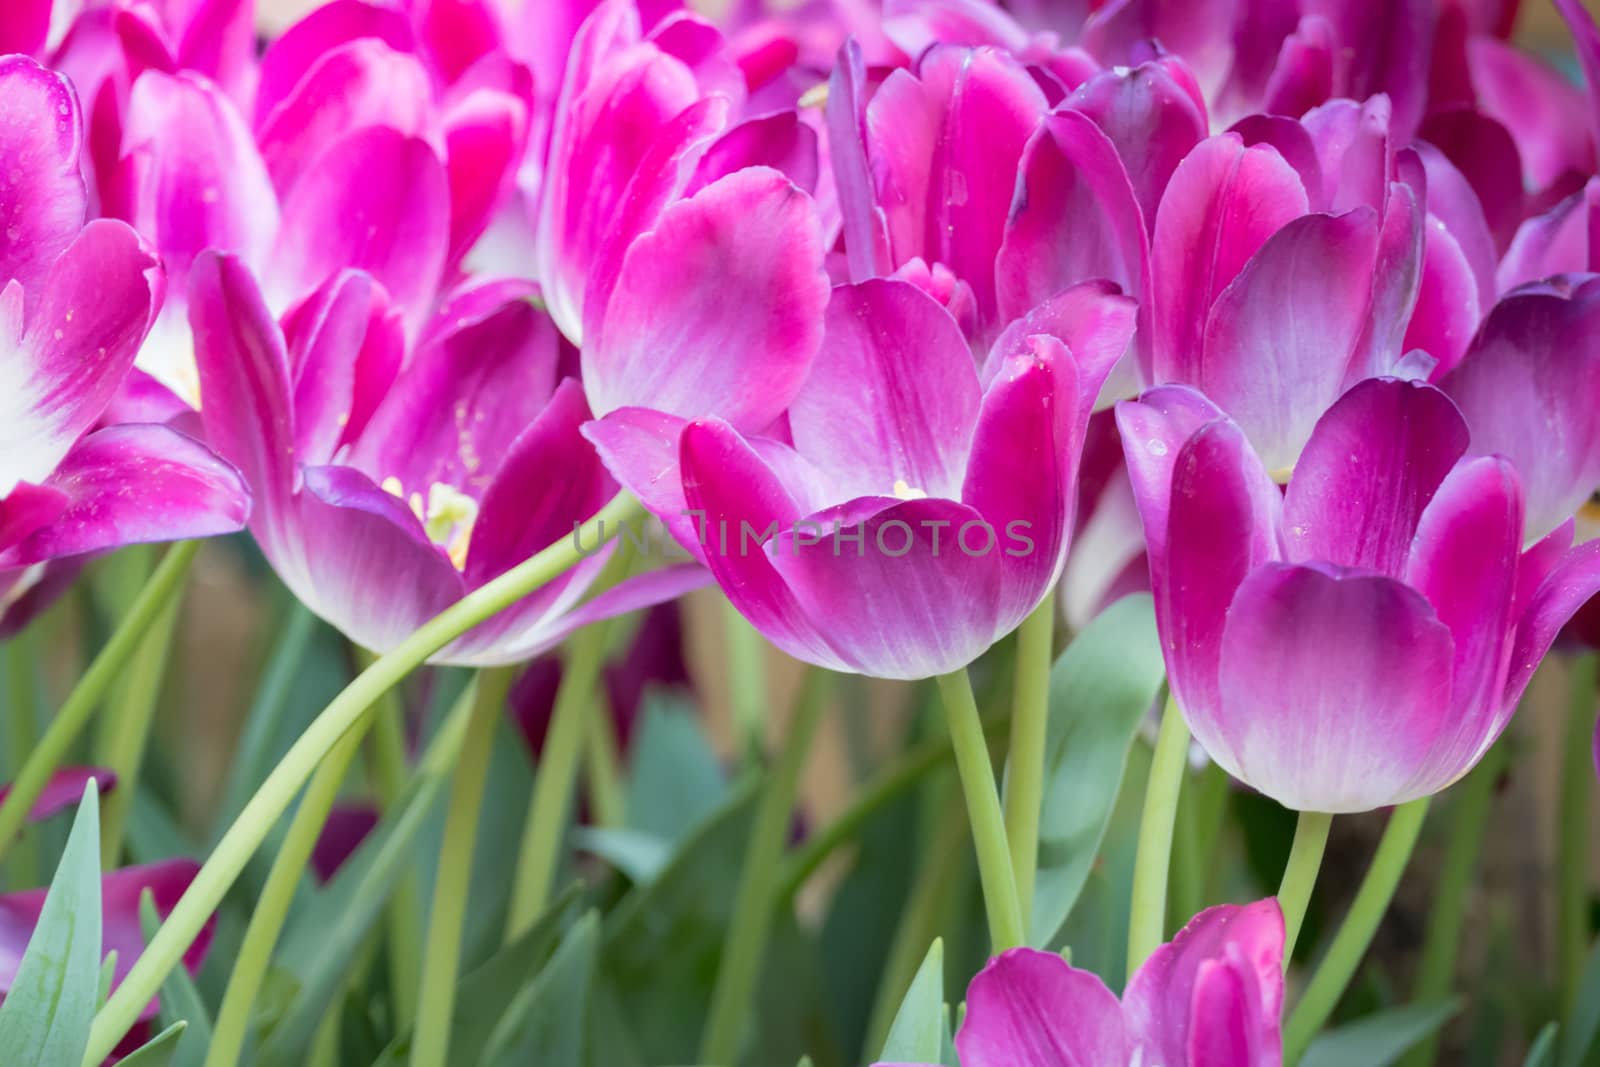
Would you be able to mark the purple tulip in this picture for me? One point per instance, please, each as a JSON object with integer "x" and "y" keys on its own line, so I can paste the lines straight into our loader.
{"x": 75, "y": 302}
{"x": 1211, "y": 997}
{"x": 1361, "y": 639}
{"x": 384, "y": 494}
{"x": 884, "y": 530}
{"x": 64, "y": 790}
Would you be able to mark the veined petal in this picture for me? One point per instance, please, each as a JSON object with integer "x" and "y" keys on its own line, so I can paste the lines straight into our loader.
{"x": 1371, "y": 466}
{"x": 1154, "y": 430}
{"x": 63, "y": 364}
{"x": 1335, "y": 689}
{"x": 1030, "y": 1007}
{"x": 733, "y": 328}
{"x": 42, "y": 197}
{"x": 1452, "y": 200}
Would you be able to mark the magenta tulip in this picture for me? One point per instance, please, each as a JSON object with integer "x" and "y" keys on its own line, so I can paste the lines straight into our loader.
{"x": 885, "y": 531}
{"x": 1211, "y": 997}
{"x": 1362, "y": 638}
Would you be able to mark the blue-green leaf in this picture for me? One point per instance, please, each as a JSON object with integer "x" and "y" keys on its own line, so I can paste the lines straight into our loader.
{"x": 548, "y": 1020}
{"x": 917, "y": 1033}
{"x": 159, "y": 1051}
{"x": 1100, "y": 690}
{"x": 1381, "y": 1039}
{"x": 1577, "y": 1035}
{"x": 677, "y": 779}
{"x": 1543, "y": 1052}
{"x": 44, "y": 1021}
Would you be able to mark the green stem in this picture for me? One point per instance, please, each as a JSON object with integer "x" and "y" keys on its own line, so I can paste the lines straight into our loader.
{"x": 755, "y": 903}
{"x": 1572, "y": 859}
{"x": 983, "y": 812}
{"x": 747, "y": 681}
{"x": 1030, "y": 724}
{"x": 441, "y": 961}
{"x": 387, "y": 763}
{"x": 1468, "y": 814}
{"x": 22, "y": 674}
{"x": 242, "y": 839}
{"x": 1355, "y": 934}
{"x": 936, "y": 878}
{"x": 272, "y": 907}
{"x": 603, "y": 766}
{"x": 85, "y": 697}
{"x": 1300, "y": 875}
{"x": 888, "y": 785}
{"x": 127, "y": 732}
{"x": 557, "y": 773}
{"x": 1147, "y": 919}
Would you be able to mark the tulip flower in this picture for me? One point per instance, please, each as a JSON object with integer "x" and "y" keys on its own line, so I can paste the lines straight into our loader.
{"x": 1211, "y": 996}
{"x": 385, "y": 493}
{"x": 75, "y": 302}
{"x": 1361, "y": 639}
{"x": 889, "y": 533}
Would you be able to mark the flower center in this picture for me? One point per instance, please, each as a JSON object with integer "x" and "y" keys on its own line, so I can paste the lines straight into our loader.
{"x": 447, "y": 516}
{"x": 903, "y": 491}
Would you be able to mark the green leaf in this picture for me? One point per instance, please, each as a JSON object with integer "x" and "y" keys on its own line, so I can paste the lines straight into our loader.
{"x": 108, "y": 971}
{"x": 1379, "y": 1040}
{"x": 677, "y": 780}
{"x": 159, "y": 1051}
{"x": 547, "y": 1021}
{"x": 1543, "y": 1052}
{"x": 1577, "y": 1035}
{"x": 1100, "y": 690}
{"x": 636, "y": 853}
{"x": 917, "y": 1034}
{"x": 181, "y": 1003}
{"x": 44, "y": 1020}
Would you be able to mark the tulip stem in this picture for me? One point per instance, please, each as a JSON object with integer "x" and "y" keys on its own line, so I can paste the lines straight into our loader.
{"x": 163, "y": 585}
{"x": 983, "y": 812}
{"x": 747, "y": 681}
{"x": 755, "y": 903}
{"x": 441, "y": 961}
{"x": 1147, "y": 918}
{"x": 272, "y": 907}
{"x": 603, "y": 766}
{"x": 1572, "y": 867}
{"x": 1300, "y": 875}
{"x": 241, "y": 840}
{"x": 22, "y": 676}
{"x": 1355, "y": 934}
{"x": 1030, "y": 725}
{"x": 127, "y": 730}
{"x": 1468, "y": 812}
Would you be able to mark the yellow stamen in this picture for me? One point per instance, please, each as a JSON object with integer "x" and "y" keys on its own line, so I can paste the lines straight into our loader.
{"x": 903, "y": 491}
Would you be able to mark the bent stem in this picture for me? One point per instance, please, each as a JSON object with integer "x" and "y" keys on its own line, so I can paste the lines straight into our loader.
{"x": 1030, "y": 723}
{"x": 127, "y": 730}
{"x": 746, "y": 941}
{"x": 1355, "y": 934}
{"x": 1468, "y": 814}
{"x": 241, "y": 840}
{"x": 1572, "y": 897}
{"x": 442, "y": 958}
{"x": 1146, "y": 920}
{"x": 1300, "y": 875}
{"x": 983, "y": 812}
{"x": 267, "y": 918}
{"x": 85, "y": 697}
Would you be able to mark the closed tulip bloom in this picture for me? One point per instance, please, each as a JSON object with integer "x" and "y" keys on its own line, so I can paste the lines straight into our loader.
{"x": 1360, "y": 639}
{"x": 1211, "y": 997}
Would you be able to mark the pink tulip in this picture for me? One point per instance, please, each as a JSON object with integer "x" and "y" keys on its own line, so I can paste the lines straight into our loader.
{"x": 1211, "y": 997}
{"x": 1361, "y": 639}
{"x": 75, "y": 302}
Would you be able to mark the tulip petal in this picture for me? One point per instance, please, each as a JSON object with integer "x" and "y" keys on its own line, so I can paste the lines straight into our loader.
{"x": 63, "y": 370}
{"x": 866, "y": 232}
{"x": 1563, "y": 240}
{"x": 26, "y": 26}
{"x": 292, "y": 55}
{"x": 1154, "y": 430}
{"x": 1567, "y": 588}
{"x": 136, "y": 484}
{"x": 1372, "y": 465}
{"x": 1586, "y": 42}
{"x": 1222, "y": 204}
{"x": 376, "y": 201}
{"x": 732, "y": 329}
{"x": 640, "y": 449}
{"x": 1166, "y": 1003}
{"x": 1335, "y": 689}
{"x": 65, "y": 789}
{"x": 893, "y": 396}
{"x": 1030, "y": 1007}
{"x": 1447, "y": 310}
{"x": 486, "y": 134}
{"x": 1453, "y": 201}
{"x": 779, "y": 141}
{"x": 1483, "y": 151}
{"x": 1199, "y": 32}
{"x": 1536, "y": 363}
{"x": 42, "y": 199}
{"x": 1092, "y": 319}
{"x": 1465, "y": 561}
{"x": 1280, "y": 338}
